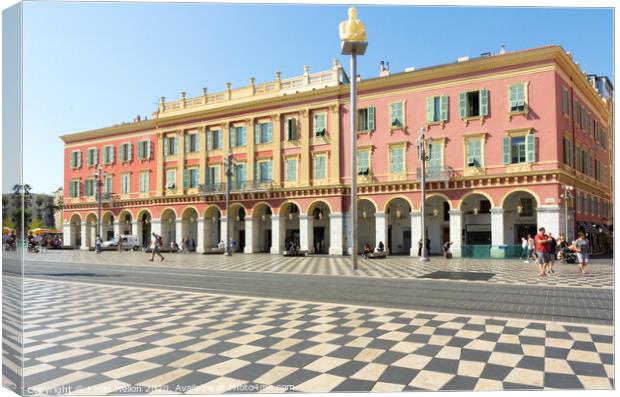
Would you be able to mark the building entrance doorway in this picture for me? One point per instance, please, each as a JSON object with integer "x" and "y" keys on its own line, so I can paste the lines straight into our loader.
{"x": 523, "y": 231}
{"x": 241, "y": 242}
{"x": 319, "y": 241}
{"x": 446, "y": 234}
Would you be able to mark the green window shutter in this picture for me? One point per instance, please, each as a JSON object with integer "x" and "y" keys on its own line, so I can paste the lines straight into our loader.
{"x": 186, "y": 142}
{"x": 484, "y": 102}
{"x": 257, "y": 133}
{"x": 371, "y": 118}
{"x": 430, "y": 109}
{"x": 506, "y": 150}
{"x": 512, "y": 97}
{"x": 88, "y": 157}
{"x": 269, "y": 132}
{"x": 166, "y": 149}
{"x": 185, "y": 178}
{"x": 462, "y": 105}
{"x": 150, "y": 149}
{"x": 176, "y": 144}
{"x": 71, "y": 160}
{"x": 79, "y": 159}
{"x": 71, "y": 189}
{"x": 140, "y": 150}
{"x": 197, "y": 142}
{"x": 232, "y": 136}
{"x": 209, "y": 140}
{"x": 244, "y": 136}
{"x": 129, "y": 151}
{"x": 444, "y": 108}
{"x": 530, "y": 144}
{"x": 94, "y": 155}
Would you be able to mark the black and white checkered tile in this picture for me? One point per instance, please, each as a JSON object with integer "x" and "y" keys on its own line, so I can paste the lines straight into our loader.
{"x": 99, "y": 339}
{"x": 513, "y": 272}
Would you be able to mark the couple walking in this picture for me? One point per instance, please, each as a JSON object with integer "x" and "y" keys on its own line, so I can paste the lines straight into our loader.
{"x": 546, "y": 247}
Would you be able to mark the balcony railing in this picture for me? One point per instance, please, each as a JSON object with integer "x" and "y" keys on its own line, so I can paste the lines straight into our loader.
{"x": 236, "y": 186}
{"x": 434, "y": 174}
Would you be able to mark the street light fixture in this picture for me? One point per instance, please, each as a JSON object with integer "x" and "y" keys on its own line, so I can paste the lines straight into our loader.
{"x": 353, "y": 41}
{"x": 566, "y": 196}
{"x": 228, "y": 169}
{"x": 98, "y": 176}
{"x": 423, "y": 157}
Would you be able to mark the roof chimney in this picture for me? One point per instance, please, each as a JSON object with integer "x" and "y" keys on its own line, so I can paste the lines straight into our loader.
{"x": 384, "y": 69}
{"x": 502, "y": 49}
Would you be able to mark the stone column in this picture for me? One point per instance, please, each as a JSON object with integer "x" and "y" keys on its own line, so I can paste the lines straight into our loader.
{"x": 160, "y": 164}
{"x": 548, "y": 216}
{"x": 303, "y": 232}
{"x": 84, "y": 232}
{"x": 497, "y": 233}
{"x": 333, "y": 131}
{"x": 178, "y": 231}
{"x": 381, "y": 230}
{"x": 335, "y": 233}
{"x": 200, "y": 234}
{"x": 416, "y": 232}
{"x": 68, "y": 234}
{"x": 276, "y": 237}
{"x": 456, "y": 230}
{"x": 250, "y": 235}
{"x": 224, "y": 230}
{"x": 156, "y": 226}
{"x": 117, "y": 228}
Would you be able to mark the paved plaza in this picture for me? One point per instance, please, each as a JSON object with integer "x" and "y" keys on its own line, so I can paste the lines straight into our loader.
{"x": 83, "y": 338}
{"x": 510, "y": 271}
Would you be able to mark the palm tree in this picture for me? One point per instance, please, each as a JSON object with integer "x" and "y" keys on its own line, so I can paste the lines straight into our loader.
{"x": 38, "y": 201}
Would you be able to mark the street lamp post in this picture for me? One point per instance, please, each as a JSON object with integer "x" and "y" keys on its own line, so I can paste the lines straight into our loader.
{"x": 228, "y": 167}
{"x": 566, "y": 196}
{"x": 353, "y": 42}
{"x": 423, "y": 157}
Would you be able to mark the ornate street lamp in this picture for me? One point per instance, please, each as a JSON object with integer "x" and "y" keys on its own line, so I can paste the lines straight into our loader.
{"x": 98, "y": 175}
{"x": 566, "y": 196}
{"x": 423, "y": 157}
{"x": 353, "y": 42}
{"x": 228, "y": 170}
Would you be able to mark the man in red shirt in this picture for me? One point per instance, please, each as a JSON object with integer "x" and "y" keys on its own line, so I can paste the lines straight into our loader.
{"x": 543, "y": 249}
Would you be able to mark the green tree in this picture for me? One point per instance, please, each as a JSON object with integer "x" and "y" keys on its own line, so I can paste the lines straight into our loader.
{"x": 36, "y": 223}
{"x": 7, "y": 222}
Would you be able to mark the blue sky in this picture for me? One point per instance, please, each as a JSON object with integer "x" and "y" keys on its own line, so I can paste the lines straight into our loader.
{"x": 91, "y": 65}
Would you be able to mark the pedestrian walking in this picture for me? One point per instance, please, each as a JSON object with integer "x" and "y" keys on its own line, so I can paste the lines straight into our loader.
{"x": 98, "y": 244}
{"x": 184, "y": 245}
{"x": 420, "y": 247}
{"x": 531, "y": 248}
{"x": 155, "y": 244}
{"x": 553, "y": 247}
{"x": 524, "y": 251}
{"x": 582, "y": 247}
{"x": 446, "y": 250}
{"x": 120, "y": 243}
{"x": 542, "y": 251}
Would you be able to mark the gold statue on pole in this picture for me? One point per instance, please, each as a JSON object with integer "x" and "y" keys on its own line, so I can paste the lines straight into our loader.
{"x": 353, "y": 29}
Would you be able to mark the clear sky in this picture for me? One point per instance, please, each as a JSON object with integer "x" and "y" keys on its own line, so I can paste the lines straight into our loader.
{"x": 91, "y": 65}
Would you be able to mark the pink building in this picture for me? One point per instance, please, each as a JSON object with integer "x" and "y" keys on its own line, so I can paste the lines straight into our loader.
{"x": 508, "y": 133}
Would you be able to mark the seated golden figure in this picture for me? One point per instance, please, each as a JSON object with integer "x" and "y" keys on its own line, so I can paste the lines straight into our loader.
{"x": 353, "y": 29}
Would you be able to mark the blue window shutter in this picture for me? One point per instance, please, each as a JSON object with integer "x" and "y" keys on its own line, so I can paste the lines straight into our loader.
{"x": 530, "y": 144}
{"x": 444, "y": 108}
{"x": 166, "y": 149}
{"x": 371, "y": 118}
{"x": 506, "y": 150}
{"x": 484, "y": 102}
{"x": 430, "y": 108}
{"x": 185, "y": 178}
{"x": 462, "y": 105}
{"x": 140, "y": 154}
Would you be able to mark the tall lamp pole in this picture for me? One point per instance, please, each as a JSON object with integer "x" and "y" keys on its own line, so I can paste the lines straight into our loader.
{"x": 353, "y": 41}
{"x": 566, "y": 196}
{"x": 423, "y": 157}
{"x": 228, "y": 166}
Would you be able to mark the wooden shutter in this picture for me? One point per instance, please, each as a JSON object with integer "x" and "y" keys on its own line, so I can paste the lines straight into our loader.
{"x": 175, "y": 141}
{"x": 88, "y": 157}
{"x": 269, "y": 132}
{"x": 141, "y": 155}
{"x": 71, "y": 160}
{"x": 186, "y": 138}
{"x": 71, "y": 189}
{"x": 371, "y": 118}
{"x": 444, "y": 107}
{"x": 484, "y": 102}
{"x": 185, "y": 178}
{"x": 79, "y": 159}
{"x": 430, "y": 109}
{"x": 232, "y": 136}
{"x": 244, "y": 136}
{"x": 462, "y": 105}
{"x": 166, "y": 148}
{"x": 530, "y": 145}
{"x": 96, "y": 159}
{"x": 506, "y": 150}
{"x": 209, "y": 140}
{"x": 129, "y": 151}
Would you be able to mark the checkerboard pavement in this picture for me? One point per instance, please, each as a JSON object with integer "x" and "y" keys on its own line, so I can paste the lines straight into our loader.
{"x": 82, "y": 338}
{"x": 513, "y": 272}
